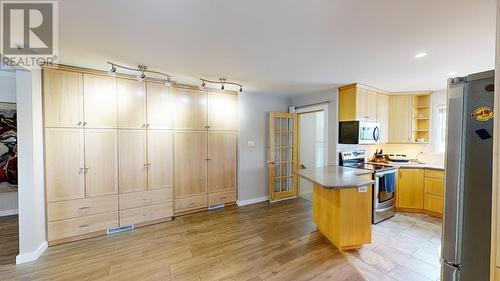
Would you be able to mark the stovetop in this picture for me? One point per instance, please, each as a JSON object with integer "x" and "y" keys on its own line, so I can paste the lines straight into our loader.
{"x": 370, "y": 166}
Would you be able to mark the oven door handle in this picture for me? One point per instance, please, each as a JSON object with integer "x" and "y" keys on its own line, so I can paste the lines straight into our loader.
{"x": 381, "y": 174}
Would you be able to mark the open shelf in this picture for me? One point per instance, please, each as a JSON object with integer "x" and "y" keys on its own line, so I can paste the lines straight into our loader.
{"x": 421, "y": 112}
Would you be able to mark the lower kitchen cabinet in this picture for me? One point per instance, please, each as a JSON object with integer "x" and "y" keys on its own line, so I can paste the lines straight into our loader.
{"x": 410, "y": 189}
{"x": 434, "y": 191}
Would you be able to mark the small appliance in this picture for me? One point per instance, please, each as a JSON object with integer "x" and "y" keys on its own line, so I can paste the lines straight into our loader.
{"x": 359, "y": 132}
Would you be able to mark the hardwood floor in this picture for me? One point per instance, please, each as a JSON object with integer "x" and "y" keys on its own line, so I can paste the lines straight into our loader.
{"x": 256, "y": 242}
{"x": 9, "y": 237}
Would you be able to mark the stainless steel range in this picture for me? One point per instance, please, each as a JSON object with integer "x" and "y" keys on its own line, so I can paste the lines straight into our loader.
{"x": 384, "y": 189}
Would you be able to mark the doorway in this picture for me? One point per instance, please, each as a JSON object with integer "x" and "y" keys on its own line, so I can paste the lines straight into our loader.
{"x": 312, "y": 143}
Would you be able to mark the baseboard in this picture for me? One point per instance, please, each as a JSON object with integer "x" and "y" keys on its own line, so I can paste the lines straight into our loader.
{"x": 32, "y": 256}
{"x": 251, "y": 201}
{"x": 9, "y": 212}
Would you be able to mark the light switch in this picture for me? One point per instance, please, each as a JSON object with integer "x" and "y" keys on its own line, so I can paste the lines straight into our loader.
{"x": 251, "y": 143}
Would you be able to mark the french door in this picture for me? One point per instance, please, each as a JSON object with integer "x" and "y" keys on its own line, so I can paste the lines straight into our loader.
{"x": 283, "y": 157}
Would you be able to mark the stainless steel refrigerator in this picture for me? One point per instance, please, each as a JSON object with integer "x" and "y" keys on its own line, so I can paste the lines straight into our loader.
{"x": 469, "y": 152}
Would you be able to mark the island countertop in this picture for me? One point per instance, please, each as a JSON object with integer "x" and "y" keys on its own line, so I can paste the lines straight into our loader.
{"x": 337, "y": 177}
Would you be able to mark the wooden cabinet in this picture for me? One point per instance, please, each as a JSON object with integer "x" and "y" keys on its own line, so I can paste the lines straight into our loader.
{"x": 160, "y": 154}
{"x": 99, "y": 101}
{"x": 101, "y": 162}
{"x": 132, "y": 160}
{"x": 434, "y": 191}
{"x": 190, "y": 164}
{"x": 357, "y": 102}
{"x": 64, "y": 164}
{"x": 222, "y": 161}
{"x": 159, "y": 106}
{"x": 190, "y": 109}
{"x": 410, "y": 189}
{"x": 131, "y": 104}
{"x": 63, "y": 98}
{"x": 222, "y": 111}
{"x": 383, "y": 117}
{"x": 400, "y": 119}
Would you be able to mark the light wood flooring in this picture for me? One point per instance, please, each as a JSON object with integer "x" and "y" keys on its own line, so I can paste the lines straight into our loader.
{"x": 9, "y": 237}
{"x": 405, "y": 247}
{"x": 255, "y": 242}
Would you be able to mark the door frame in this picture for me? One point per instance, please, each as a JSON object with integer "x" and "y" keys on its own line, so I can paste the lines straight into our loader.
{"x": 321, "y": 107}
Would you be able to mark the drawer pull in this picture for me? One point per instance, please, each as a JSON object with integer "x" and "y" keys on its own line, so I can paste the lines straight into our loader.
{"x": 85, "y": 208}
{"x": 223, "y": 197}
{"x": 147, "y": 214}
{"x": 192, "y": 203}
{"x": 85, "y": 225}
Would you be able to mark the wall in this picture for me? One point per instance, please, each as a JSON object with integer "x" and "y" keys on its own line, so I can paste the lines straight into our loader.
{"x": 307, "y": 147}
{"x": 32, "y": 241}
{"x": 253, "y": 126}
{"x": 8, "y": 200}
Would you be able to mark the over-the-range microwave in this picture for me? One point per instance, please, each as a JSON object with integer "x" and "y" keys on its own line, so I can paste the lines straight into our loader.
{"x": 359, "y": 132}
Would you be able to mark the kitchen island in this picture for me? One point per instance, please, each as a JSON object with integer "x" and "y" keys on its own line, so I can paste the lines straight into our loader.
{"x": 342, "y": 204}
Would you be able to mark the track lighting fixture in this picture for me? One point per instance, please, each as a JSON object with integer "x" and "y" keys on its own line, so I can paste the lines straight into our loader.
{"x": 142, "y": 69}
{"x": 222, "y": 81}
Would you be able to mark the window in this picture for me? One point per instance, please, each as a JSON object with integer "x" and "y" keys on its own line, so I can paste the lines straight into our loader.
{"x": 441, "y": 129}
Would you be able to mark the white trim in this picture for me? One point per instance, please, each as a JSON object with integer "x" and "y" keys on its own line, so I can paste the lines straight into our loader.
{"x": 251, "y": 201}
{"x": 32, "y": 256}
{"x": 284, "y": 199}
{"x": 9, "y": 212}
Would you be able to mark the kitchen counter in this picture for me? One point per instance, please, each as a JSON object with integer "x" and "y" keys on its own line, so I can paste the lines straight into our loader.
{"x": 337, "y": 177}
{"x": 412, "y": 165}
{"x": 342, "y": 204}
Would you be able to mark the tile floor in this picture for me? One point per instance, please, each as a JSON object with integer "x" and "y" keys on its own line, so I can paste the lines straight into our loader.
{"x": 405, "y": 247}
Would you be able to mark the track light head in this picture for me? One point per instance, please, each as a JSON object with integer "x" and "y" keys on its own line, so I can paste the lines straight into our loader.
{"x": 168, "y": 82}
{"x": 141, "y": 77}
{"x": 112, "y": 71}
{"x": 241, "y": 89}
{"x": 222, "y": 87}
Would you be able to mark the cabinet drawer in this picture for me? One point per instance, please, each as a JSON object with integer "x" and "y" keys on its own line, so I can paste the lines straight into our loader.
{"x": 190, "y": 203}
{"x": 433, "y": 203}
{"x": 145, "y": 198}
{"x": 438, "y": 174}
{"x": 81, "y": 207}
{"x": 144, "y": 214}
{"x": 434, "y": 186}
{"x": 222, "y": 197}
{"x": 73, "y": 227}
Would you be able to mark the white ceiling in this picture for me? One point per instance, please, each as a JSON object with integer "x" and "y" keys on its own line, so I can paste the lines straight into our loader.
{"x": 285, "y": 47}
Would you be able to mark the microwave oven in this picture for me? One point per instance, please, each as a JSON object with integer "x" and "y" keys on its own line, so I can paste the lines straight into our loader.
{"x": 359, "y": 132}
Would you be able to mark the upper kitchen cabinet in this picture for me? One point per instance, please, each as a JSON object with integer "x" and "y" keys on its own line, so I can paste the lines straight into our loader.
{"x": 63, "y": 98}
{"x": 358, "y": 102}
{"x": 383, "y": 116}
{"x": 159, "y": 106}
{"x": 222, "y": 111}
{"x": 400, "y": 119}
{"x": 131, "y": 104}
{"x": 99, "y": 101}
{"x": 190, "y": 109}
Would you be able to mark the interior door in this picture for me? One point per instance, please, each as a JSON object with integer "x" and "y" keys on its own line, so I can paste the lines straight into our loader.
{"x": 131, "y": 104}
{"x": 101, "y": 162}
{"x": 64, "y": 164}
{"x": 282, "y": 155}
{"x": 160, "y": 106}
{"x": 99, "y": 101}
{"x": 160, "y": 168}
{"x": 190, "y": 164}
{"x": 190, "y": 109}
{"x": 222, "y": 161}
{"x": 132, "y": 160}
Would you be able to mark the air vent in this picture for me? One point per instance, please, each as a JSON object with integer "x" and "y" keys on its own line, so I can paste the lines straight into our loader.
{"x": 215, "y": 207}
{"x": 120, "y": 229}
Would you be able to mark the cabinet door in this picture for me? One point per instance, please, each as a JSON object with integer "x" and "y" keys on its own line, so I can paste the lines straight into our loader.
{"x": 383, "y": 117}
{"x": 99, "y": 101}
{"x": 362, "y": 104}
{"x": 371, "y": 106}
{"x": 190, "y": 164}
{"x": 410, "y": 189}
{"x": 222, "y": 161}
{"x": 132, "y": 160}
{"x": 400, "y": 119}
{"x": 159, "y": 106}
{"x": 222, "y": 111}
{"x": 101, "y": 162}
{"x": 160, "y": 152}
{"x": 131, "y": 104}
{"x": 190, "y": 109}
{"x": 63, "y": 98}
{"x": 64, "y": 163}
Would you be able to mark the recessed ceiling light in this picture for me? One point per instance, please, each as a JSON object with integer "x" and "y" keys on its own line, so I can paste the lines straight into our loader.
{"x": 452, "y": 73}
{"x": 420, "y": 55}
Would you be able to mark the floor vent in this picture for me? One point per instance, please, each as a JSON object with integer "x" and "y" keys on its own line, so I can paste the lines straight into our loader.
{"x": 215, "y": 207}
{"x": 120, "y": 229}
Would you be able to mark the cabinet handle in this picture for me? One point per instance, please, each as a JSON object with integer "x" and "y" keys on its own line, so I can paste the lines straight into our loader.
{"x": 143, "y": 125}
{"x": 192, "y": 203}
{"x": 81, "y": 170}
{"x": 84, "y": 225}
{"x": 147, "y": 214}
{"x": 147, "y": 125}
{"x": 79, "y": 123}
{"x": 207, "y": 127}
{"x": 84, "y": 123}
{"x": 85, "y": 208}
{"x": 222, "y": 198}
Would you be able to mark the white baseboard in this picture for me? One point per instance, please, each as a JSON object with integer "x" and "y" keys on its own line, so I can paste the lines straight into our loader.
{"x": 9, "y": 212}
{"x": 32, "y": 256}
{"x": 251, "y": 201}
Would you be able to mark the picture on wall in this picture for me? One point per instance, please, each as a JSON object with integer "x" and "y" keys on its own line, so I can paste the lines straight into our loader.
{"x": 8, "y": 147}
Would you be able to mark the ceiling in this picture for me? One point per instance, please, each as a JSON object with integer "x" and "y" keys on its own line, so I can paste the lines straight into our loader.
{"x": 285, "y": 47}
